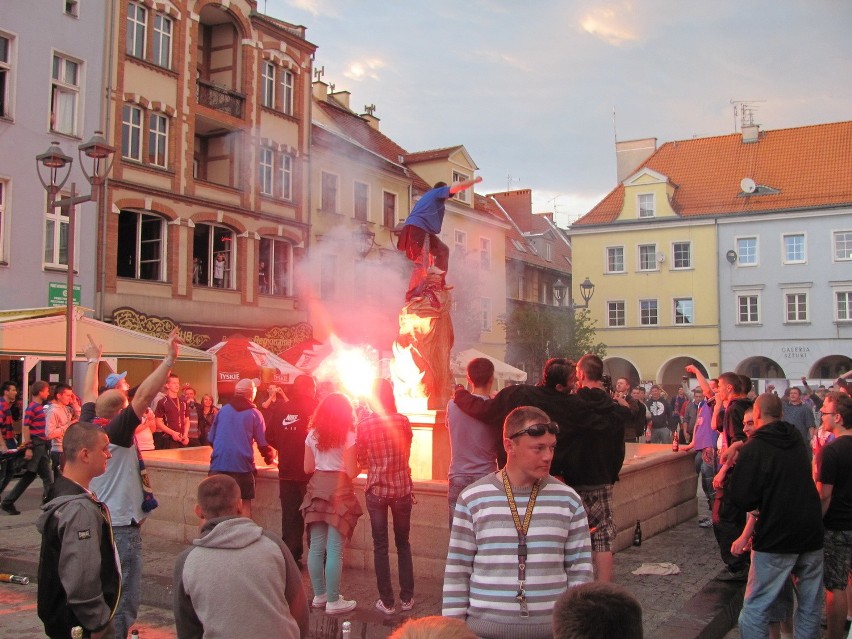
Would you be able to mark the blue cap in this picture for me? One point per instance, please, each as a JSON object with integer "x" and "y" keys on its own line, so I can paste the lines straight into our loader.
{"x": 113, "y": 379}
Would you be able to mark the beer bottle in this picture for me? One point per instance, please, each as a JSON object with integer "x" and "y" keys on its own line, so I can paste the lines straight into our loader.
{"x": 134, "y": 634}
{"x": 675, "y": 441}
{"x": 637, "y": 534}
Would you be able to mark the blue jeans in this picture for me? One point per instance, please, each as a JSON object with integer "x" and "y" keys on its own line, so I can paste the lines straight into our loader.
{"x": 769, "y": 572}
{"x": 325, "y": 560}
{"x": 706, "y": 471}
{"x": 400, "y": 508}
{"x": 128, "y": 542}
{"x": 457, "y": 484}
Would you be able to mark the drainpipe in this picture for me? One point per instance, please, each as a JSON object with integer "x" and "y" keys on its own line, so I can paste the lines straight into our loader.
{"x": 102, "y": 201}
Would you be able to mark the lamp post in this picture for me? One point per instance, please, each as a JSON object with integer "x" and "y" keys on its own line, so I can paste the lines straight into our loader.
{"x": 57, "y": 167}
{"x": 587, "y": 290}
{"x": 365, "y": 240}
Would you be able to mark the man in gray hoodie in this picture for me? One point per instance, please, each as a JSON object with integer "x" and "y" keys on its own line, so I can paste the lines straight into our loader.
{"x": 210, "y": 596}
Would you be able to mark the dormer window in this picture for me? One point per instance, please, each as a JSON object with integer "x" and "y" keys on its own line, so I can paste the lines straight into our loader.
{"x": 461, "y": 196}
{"x": 646, "y": 205}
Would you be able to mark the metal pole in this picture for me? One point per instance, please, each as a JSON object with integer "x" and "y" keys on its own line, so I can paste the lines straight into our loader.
{"x": 69, "y": 300}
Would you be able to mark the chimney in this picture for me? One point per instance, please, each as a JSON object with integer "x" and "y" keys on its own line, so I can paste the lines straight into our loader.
{"x": 630, "y": 154}
{"x": 751, "y": 133}
{"x": 320, "y": 90}
{"x": 342, "y": 98}
{"x": 371, "y": 119}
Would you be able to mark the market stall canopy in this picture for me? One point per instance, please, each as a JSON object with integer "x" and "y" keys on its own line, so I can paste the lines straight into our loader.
{"x": 238, "y": 357}
{"x": 502, "y": 371}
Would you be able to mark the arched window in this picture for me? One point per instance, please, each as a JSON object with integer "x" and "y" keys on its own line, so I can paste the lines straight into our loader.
{"x": 214, "y": 253}
{"x": 141, "y": 246}
{"x": 275, "y": 267}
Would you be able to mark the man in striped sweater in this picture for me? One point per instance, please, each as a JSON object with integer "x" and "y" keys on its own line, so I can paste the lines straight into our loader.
{"x": 519, "y": 539}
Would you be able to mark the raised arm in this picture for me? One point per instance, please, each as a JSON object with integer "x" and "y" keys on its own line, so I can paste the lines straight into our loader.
{"x": 702, "y": 381}
{"x": 90, "y": 383}
{"x": 151, "y": 384}
{"x": 461, "y": 186}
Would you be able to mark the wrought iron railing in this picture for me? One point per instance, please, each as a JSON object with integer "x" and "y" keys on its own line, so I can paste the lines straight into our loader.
{"x": 223, "y": 100}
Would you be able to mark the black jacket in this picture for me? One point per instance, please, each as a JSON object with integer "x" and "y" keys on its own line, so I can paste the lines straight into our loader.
{"x": 773, "y": 474}
{"x": 588, "y": 425}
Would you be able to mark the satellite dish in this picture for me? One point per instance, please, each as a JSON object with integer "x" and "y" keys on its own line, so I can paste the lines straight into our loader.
{"x": 661, "y": 257}
{"x": 748, "y": 185}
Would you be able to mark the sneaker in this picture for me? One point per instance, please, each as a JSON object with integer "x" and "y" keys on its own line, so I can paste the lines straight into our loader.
{"x": 705, "y": 522}
{"x": 407, "y": 605}
{"x": 319, "y": 601}
{"x": 340, "y": 606}
{"x": 727, "y": 575}
{"x": 381, "y": 607}
{"x": 10, "y": 508}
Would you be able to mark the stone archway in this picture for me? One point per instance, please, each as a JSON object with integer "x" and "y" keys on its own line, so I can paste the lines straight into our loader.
{"x": 617, "y": 367}
{"x": 672, "y": 372}
{"x": 830, "y": 367}
{"x": 759, "y": 367}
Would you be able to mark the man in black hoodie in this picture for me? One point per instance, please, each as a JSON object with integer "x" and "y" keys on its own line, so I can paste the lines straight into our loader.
{"x": 286, "y": 430}
{"x": 590, "y": 444}
{"x": 773, "y": 475}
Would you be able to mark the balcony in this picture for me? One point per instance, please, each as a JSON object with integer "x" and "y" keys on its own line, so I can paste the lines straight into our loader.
{"x": 220, "y": 99}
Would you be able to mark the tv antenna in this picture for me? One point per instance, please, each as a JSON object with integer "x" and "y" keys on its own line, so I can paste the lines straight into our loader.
{"x": 369, "y": 109}
{"x": 744, "y": 111}
{"x": 318, "y": 73}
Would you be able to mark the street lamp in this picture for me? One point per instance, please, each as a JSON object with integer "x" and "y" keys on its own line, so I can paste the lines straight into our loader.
{"x": 587, "y": 290}
{"x": 559, "y": 290}
{"x": 53, "y": 168}
{"x": 365, "y": 240}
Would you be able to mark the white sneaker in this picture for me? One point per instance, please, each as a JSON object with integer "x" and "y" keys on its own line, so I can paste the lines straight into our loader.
{"x": 340, "y": 606}
{"x": 381, "y": 607}
{"x": 407, "y": 605}
{"x": 319, "y": 601}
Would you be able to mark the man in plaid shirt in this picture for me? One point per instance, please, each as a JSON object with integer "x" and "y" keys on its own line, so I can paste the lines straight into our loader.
{"x": 383, "y": 443}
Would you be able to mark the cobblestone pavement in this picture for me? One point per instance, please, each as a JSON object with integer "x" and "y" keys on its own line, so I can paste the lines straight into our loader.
{"x": 673, "y": 606}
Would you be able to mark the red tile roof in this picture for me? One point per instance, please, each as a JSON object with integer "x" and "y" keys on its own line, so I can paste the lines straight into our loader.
{"x": 809, "y": 166}
{"x": 432, "y": 154}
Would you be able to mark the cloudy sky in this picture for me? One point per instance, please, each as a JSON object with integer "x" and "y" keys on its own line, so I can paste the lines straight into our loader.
{"x": 530, "y": 92}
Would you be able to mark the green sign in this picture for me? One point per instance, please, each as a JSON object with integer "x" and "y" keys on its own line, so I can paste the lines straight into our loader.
{"x": 57, "y": 294}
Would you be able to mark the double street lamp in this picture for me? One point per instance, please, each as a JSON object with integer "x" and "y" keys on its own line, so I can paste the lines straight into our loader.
{"x": 54, "y": 168}
{"x": 587, "y": 290}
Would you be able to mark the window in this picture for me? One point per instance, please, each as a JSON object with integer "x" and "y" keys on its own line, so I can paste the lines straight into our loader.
{"x": 485, "y": 306}
{"x": 56, "y": 238}
{"x": 544, "y": 289}
{"x": 842, "y": 246}
{"x": 461, "y": 196}
{"x": 747, "y": 251}
{"x": 328, "y": 277}
{"x": 682, "y": 254}
{"x": 71, "y": 8}
{"x": 615, "y": 259}
{"x": 213, "y": 253}
{"x": 267, "y": 85}
{"x": 328, "y": 202}
{"x": 794, "y": 248}
{"x": 389, "y": 209}
{"x": 162, "y": 41}
{"x": 548, "y": 251}
{"x": 485, "y": 253}
{"x": 5, "y": 76}
{"x": 4, "y": 191}
{"x": 648, "y": 257}
{"x": 796, "y": 305}
{"x": 131, "y": 133}
{"x": 843, "y": 305}
{"x": 361, "y": 201}
{"x": 137, "y": 26}
{"x": 287, "y": 92}
{"x": 683, "y": 312}
{"x": 64, "y": 91}
{"x": 646, "y": 205}
{"x": 285, "y": 176}
{"x": 264, "y": 171}
{"x": 276, "y": 257}
{"x": 615, "y": 314}
{"x": 522, "y": 287}
{"x": 748, "y": 309}
{"x": 140, "y": 246}
{"x": 648, "y": 315}
{"x": 158, "y": 140}
{"x": 460, "y": 242}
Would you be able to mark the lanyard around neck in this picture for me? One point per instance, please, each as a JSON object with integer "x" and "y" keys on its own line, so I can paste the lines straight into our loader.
{"x": 522, "y": 529}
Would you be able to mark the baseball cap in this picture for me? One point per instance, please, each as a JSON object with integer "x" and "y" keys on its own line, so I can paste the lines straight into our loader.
{"x": 113, "y": 379}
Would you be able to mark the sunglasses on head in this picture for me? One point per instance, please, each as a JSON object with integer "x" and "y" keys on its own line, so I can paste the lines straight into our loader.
{"x": 537, "y": 430}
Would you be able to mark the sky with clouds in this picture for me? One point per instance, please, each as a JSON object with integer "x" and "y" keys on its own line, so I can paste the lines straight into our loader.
{"x": 530, "y": 88}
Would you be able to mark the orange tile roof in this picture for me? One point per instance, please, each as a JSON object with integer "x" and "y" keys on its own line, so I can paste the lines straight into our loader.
{"x": 432, "y": 154}
{"x": 809, "y": 165}
{"x": 539, "y": 226}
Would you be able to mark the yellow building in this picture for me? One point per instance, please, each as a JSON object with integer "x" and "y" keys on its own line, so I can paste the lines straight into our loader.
{"x": 656, "y": 294}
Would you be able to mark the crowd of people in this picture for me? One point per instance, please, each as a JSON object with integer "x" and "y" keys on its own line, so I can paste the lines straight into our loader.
{"x": 530, "y": 499}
